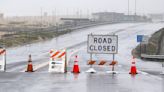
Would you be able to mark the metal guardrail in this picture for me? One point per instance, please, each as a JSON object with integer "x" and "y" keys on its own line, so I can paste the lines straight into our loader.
{"x": 152, "y": 56}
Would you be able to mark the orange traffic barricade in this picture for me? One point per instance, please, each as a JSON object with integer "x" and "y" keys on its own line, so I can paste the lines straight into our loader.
{"x": 91, "y": 62}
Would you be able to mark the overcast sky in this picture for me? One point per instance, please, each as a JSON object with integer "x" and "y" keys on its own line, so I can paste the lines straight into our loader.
{"x": 69, "y": 7}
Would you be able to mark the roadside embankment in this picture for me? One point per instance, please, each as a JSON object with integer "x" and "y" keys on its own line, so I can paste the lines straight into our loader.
{"x": 25, "y": 37}
{"x": 155, "y": 45}
{"x": 16, "y": 36}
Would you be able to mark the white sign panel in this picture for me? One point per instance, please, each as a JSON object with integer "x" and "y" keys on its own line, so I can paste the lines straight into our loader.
{"x": 2, "y": 59}
{"x": 145, "y": 39}
{"x": 2, "y": 63}
{"x": 57, "y": 61}
{"x": 56, "y": 66}
{"x": 102, "y": 44}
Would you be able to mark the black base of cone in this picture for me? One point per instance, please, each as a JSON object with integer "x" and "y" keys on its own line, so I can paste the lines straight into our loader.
{"x": 92, "y": 72}
{"x": 65, "y": 72}
{"x": 29, "y": 71}
{"x": 133, "y": 73}
{"x": 113, "y": 73}
{"x": 75, "y": 72}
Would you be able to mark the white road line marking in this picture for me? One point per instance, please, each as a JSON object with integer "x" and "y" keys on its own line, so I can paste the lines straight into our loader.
{"x": 141, "y": 72}
{"x": 36, "y": 67}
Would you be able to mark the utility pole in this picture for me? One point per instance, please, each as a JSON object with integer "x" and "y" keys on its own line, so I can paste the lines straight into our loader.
{"x": 80, "y": 13}
{"x": 128, "y": 12}
{"x": 4, "y": 48}
{"x": 41, "y": 12}
{"x": 128, "y": 7}
{"x": 88, "y": 14}
{"x": 135, "y": 7}
{"x": 55, "y": 15}
{"x": 67, "y": 12}
{"x": 5, "y": 60}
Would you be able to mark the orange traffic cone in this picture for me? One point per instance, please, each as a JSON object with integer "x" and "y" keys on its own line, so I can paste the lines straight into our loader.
{"x": 76, "y": 66}
{"x": 133, "y": 69}
{"x": 29, "y": 66}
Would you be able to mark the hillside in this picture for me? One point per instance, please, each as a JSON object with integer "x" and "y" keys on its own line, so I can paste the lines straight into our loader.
{"x": 155, "y": 45}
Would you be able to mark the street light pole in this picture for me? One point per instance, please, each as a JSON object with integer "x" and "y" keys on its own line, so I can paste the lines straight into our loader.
{"x": 135, "y": 7}
{"x": 128, "y": 7}
{"x": 5, "y": 61}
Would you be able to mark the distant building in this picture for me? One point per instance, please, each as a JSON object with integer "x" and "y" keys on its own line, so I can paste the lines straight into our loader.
{"x": 136, "y": 18}
{"x": 1, "y": 15}
{"x": 157, "y": 17}
{"x": 108, "y": 16}
{"x": 118, "y": 17}
{"x": 74, "y": 21}
{"x": 1, "y": 18}
{"x": 45, "y": 14}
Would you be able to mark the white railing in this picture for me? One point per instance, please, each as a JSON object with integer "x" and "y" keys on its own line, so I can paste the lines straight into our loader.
{"x": 152, "y": 56}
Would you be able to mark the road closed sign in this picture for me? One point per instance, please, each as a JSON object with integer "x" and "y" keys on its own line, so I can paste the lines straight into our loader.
{"x": 102, "y": 44}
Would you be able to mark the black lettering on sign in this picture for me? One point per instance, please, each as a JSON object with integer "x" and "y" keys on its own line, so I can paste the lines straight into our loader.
{"x": 53, "y": 63}
{"x": 108, "y": 48}
{"x": 100, "y": 40}
{"x": 102, "y": 44}
{"x": 113, "y": 48}
{"x": 91, "y": 47}
{"x": 95, "y": 40}
{"x": 109, "y": 40}
{"x": 104, "y": 48}
{"x": 99, "y": 47}
{"x": 104, "y": 40}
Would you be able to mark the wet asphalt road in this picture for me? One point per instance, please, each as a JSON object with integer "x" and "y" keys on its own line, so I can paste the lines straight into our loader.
{"x": 42, "y": 81}
{"x": 99, "y": 82}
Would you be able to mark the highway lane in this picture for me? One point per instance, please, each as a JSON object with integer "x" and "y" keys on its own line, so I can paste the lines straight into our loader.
{"x": 127, "y": 41}
{"x": 18, "y": 54}
{"x": 40, "y": 50}
{"x": 42, "y": 81}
